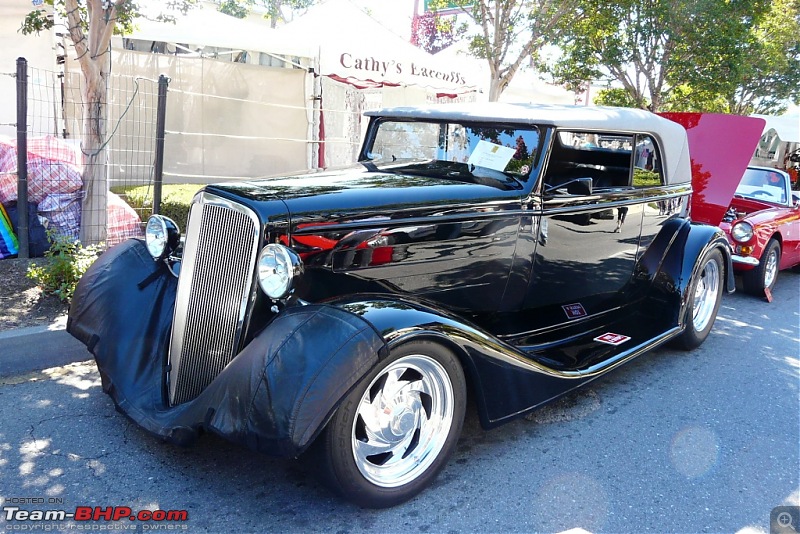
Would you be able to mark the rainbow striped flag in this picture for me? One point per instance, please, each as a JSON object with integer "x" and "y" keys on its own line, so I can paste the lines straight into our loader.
{"x": 9, "y": 246}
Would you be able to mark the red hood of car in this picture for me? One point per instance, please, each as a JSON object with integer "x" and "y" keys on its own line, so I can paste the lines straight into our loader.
{"x": 720, "y": 147}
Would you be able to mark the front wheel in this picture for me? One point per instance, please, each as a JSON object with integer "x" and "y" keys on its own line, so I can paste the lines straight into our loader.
{"x": 705, "y": 295}
{"x": 763, "y": 276}
{"x": 396, "y": 430}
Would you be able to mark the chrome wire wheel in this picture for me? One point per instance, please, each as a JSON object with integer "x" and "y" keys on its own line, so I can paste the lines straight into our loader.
{"x": 763, "y": 277}
{"x": 403, "y": 420}
{"x": 706, "y": 295}
{"x": 771, "y": 267}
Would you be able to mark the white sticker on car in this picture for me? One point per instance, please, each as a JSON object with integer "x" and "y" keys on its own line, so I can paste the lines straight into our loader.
{"x": 491, "y": 156}
{"x": 612, "y": 339}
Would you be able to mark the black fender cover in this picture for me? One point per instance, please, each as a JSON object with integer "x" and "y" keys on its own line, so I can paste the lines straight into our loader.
{"x": 680, "y": 263}
{"x": 275, "y": 396}
{"x": 698, "y": 240}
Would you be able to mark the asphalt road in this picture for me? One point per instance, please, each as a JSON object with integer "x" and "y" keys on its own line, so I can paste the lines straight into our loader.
{"x": 706, "y": 441}
{"x": 38, "y": 347}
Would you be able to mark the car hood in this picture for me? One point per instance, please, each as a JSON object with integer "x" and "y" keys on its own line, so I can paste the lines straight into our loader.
{"x": 356, "y": 193}
{"x": 756, "y": 213}
{"x": 720, "y": 147}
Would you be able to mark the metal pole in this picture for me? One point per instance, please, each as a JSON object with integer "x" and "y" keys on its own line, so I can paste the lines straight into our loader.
{"x": 22, "y": 157}
{"x": 161, "y": 114}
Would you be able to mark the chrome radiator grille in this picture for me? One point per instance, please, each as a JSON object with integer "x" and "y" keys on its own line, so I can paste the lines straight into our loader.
{"x": 213, "y": 291}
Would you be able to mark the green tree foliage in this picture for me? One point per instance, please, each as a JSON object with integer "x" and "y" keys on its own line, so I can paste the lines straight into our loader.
{"x": 511, "y": 32}
{"x": 233, "y": 8}
{"x": 615, "y": 96}
{"x": 651, "y": 46}
{"x": 274, "y": 10}
{"x": 684, "y": 97}
{"x": 118, "y": 14}
{"x": 768, "y": 74}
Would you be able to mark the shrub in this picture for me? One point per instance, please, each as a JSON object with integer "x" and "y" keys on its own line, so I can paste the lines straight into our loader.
{"x": 65, "y": 263}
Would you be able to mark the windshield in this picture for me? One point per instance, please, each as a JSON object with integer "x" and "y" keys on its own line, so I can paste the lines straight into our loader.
{"x": 460, "y": 151}
{"x": 763, "y": 184}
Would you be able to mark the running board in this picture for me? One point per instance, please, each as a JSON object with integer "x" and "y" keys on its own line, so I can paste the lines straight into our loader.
{"x": 595, "y": 353}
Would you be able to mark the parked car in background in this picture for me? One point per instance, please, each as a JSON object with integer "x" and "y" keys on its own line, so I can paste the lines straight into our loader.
{"x": 763, "y": 226}
{"x": 483, "y": 250}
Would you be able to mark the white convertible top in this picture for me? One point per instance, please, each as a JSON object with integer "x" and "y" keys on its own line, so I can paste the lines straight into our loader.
{"x": 670, "y": 135}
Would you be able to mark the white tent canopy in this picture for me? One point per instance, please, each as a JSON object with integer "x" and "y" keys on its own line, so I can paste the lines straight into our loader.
{"x": 208, "y": 27}
{"x": 786, "y": 126}
{"x": 355, "y": 48}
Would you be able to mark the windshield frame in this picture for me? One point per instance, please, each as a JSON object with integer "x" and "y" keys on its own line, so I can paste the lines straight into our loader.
{"x": 785, "y": 187}
{"x": 407, "y": 165}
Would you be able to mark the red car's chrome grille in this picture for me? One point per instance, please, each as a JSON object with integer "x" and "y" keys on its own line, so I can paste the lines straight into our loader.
{"x": 213, "y": 290}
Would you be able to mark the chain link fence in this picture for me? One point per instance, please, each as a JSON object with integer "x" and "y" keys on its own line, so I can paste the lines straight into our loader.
{"x": 222, "y": 121}
{"x": 46, "y": 172}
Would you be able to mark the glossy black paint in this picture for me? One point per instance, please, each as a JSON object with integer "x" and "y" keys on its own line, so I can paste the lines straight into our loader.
{"x": 447, "y": 241}
{"x": 517, "y": 278}
{"x": 490, "y": 269}
{"x": 537, "y": 366}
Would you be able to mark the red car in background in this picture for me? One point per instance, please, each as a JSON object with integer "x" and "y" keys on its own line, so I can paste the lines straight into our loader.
{"x": 763, "y": 226}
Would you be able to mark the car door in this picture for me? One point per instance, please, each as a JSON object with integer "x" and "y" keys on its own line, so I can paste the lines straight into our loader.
{"x": 590, "y": 227}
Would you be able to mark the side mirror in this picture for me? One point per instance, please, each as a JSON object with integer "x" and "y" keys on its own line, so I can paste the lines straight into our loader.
{"x": 576, "y": 186}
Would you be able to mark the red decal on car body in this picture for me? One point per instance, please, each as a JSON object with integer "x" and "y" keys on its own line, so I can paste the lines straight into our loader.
{"x": 612, "y": 339}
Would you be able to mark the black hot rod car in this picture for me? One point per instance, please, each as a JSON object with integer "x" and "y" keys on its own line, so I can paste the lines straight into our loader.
{"x": 509, "y": 252}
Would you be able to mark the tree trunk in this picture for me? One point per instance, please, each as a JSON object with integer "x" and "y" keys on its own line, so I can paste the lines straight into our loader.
{"x": 94, "y": 216}
{"x": 91, "y": 49}
{"x": 496, "y": 88}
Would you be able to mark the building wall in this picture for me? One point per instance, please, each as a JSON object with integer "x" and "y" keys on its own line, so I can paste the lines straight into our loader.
{"x": 224, "y": 120}
{"x": 38, "y": 50}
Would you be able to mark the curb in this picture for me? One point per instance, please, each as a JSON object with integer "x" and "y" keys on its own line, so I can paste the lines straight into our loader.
{"x": 23, "y": 350}
{"x": 59, "y": 324}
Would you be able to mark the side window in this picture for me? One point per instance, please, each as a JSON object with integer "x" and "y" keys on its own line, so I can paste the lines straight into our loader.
{"x": 603, "y": 157}
{"x": 647, "y": 169}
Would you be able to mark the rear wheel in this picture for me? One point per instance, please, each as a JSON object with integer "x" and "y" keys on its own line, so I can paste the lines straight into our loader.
{"x": 764, "y": 275}
{"x": 396, "y": 430}
{"x": 705, "y": 295}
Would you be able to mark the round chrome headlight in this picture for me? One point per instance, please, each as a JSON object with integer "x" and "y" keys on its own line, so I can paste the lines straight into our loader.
{"x": 742, "y": 231}
{"x": 277, "y": 267}
{"x": 161, "y": 236}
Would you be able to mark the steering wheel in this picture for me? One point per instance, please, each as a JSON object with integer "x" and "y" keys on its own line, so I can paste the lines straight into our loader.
{"x": 762, "y": 192}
